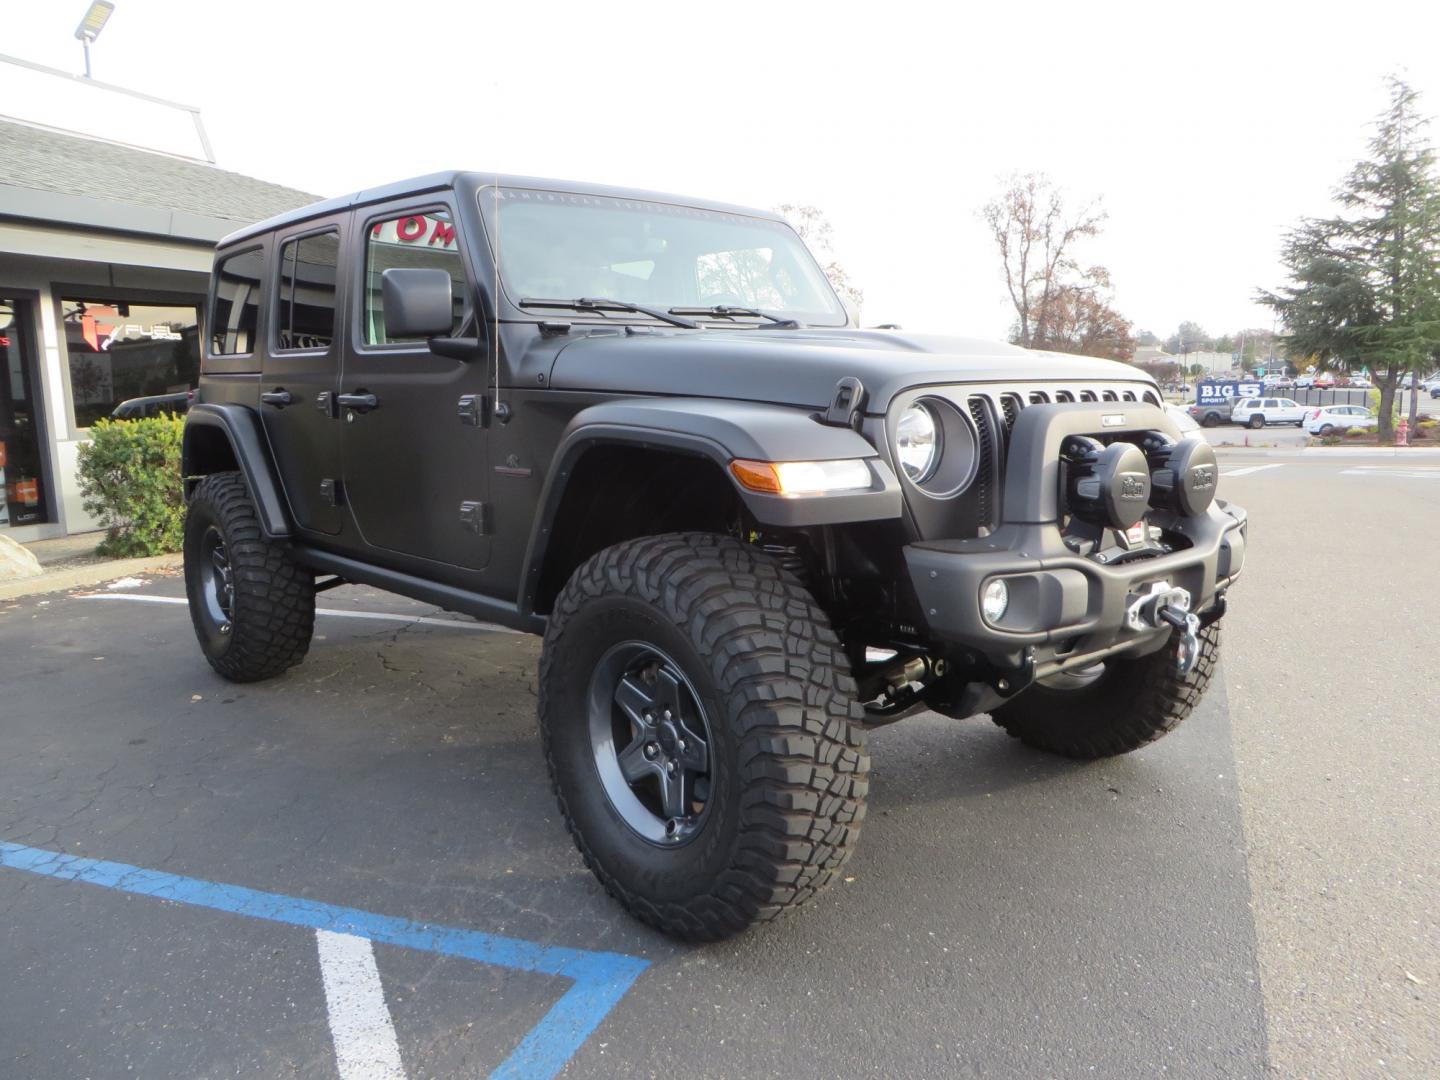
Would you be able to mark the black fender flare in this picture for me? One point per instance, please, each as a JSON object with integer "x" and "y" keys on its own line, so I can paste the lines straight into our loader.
{"x": 719, "y": 431}
{"x": 241, "y": 428}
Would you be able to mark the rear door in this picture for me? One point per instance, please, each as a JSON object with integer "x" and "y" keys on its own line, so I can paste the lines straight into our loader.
{"x": 416, "y": 473}
{"x": 300, "y": 369}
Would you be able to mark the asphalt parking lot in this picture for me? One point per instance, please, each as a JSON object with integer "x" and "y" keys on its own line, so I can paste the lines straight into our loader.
{"x": 364, "y": 857}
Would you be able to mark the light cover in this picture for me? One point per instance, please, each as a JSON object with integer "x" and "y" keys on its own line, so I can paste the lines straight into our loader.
{"x": 994, "y": 599}
{"x": 94, "y": 20}
{"x": 917, "y": 443}
{"x": 802, "y": 477}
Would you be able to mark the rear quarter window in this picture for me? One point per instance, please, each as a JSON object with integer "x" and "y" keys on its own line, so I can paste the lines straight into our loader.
{"x": 236, "y": 286}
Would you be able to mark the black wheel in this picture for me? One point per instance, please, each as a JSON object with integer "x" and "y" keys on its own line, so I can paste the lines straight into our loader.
{"x": 1211, "y": 420}
{"x": 701, "y": 729}
{"x": 1257, "y": 421}
{"x": 1113, "y": 708}
{"x": 253, "y": 608}
{"x": 1326, "y": 429}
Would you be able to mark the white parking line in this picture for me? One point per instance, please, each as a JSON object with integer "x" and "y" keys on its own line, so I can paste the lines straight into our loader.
{"x": 424, "y": 620}
{"x": 1253, "y": 469}
{"x": 360, "y": 1024}
{"x": 1408, "y": 474}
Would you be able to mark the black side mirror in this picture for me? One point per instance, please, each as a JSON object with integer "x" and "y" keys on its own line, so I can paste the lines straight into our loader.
{"x": 417, "y": 302}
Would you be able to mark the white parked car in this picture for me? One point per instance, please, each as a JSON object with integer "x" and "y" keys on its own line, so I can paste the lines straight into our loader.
{"x": 1304, "y": 382}
{"x": 1334, "y": 418}
{"x": 1257, "y": 412}
{"x": 1361, "y": 381}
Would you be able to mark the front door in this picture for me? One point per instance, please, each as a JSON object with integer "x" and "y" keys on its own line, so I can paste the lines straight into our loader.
{"x": 299, "y": 372}
{"x": 413, "y": 423}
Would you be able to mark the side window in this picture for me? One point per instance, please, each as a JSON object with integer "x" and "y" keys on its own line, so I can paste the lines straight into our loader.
{"x": 305, "y": 317}
{"x": 422, "y": 239}
{"x": 1271, "y": 403}
{"x": 236, "y": 310}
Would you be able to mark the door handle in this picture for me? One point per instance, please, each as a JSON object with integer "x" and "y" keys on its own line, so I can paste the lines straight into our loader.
{"x": 278, "y": 398}
{"x": 358, "y": 401}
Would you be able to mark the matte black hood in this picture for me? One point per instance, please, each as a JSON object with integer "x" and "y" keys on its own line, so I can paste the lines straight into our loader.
{"x": 800, "y": 367}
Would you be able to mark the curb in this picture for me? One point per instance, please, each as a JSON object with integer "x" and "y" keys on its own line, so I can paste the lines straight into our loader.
{"x": 92, "y": 574}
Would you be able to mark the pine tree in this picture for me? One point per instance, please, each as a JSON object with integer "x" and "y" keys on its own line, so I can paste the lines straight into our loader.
{"x": 1365, "y": 284}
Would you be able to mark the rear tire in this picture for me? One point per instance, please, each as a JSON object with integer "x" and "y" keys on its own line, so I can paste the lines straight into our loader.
{"x": 769, "y": 809}
{"x": 1257, "y": 422}
{"x": 1326, "y": 429}
{"x": 1211, "y": 420}
{"x": 1132, "y": 704}
{"x": 252, "y": 606}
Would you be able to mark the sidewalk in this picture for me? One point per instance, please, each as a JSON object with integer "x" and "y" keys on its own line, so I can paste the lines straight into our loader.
{"x": 70, "y": 562}
{"x": 79, "y": 548}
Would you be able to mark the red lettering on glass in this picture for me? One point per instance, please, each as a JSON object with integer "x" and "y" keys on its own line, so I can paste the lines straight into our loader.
{"x": 410, "y": 228}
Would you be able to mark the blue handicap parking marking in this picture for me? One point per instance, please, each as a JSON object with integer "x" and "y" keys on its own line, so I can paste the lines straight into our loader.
{"x": 598, "y": 979}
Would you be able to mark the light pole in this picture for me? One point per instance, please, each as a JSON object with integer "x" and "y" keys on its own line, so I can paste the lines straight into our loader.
{"x": 91, "y": 25}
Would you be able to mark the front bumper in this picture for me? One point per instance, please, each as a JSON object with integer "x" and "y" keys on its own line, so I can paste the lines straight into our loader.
{"x": 1068, "y": 610}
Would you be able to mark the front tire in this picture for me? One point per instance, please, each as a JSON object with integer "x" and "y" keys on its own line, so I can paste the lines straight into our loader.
{"x": 1130, "y": 705}
{"x": 253, "y": 608}
{"x": 702, "y": 733}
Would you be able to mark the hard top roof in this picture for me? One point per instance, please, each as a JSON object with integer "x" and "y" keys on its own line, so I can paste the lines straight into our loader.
{"x": 442, "y": 181}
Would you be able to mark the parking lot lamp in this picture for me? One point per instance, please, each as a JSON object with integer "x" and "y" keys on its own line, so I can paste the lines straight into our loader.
{"x": 91, "y": 25}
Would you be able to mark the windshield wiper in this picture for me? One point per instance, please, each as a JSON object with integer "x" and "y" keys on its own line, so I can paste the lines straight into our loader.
{"x": 779, "y": 322}
{"x": 600, "y": 303}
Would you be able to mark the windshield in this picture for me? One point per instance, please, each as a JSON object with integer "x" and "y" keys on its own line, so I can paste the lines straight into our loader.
{"x": 557, "y": 245}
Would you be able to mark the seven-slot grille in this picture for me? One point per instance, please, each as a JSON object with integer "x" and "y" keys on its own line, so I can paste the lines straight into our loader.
{"x": 995, "y": 410}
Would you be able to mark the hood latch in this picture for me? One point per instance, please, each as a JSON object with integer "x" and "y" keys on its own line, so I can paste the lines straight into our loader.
{"x": 847, "y": 404}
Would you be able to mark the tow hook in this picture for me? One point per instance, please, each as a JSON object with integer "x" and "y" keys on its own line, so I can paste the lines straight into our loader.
{"x": 1187, "y": 625}
{"x": 1161, "y": 605}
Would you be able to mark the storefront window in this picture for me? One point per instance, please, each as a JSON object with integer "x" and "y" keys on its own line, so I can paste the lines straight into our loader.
{"x": 22, "y": 501}
{"x": 121, "y": 350}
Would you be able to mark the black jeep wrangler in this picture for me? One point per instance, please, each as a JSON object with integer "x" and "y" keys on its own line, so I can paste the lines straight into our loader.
{"x": 646, "y": 428}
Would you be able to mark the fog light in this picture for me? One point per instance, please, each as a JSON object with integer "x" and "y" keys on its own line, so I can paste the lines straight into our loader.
{"x": 994, "y": 599}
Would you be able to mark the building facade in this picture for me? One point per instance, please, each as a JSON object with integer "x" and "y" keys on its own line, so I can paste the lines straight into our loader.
{"x": 105, "y": 253}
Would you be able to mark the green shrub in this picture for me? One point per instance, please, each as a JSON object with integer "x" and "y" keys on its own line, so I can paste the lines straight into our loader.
{"x": 130, "y": 479}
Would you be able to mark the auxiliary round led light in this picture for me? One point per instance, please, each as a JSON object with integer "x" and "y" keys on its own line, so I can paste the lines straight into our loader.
{"x": 917, "y": 443}
{"x": 994, "y": 599}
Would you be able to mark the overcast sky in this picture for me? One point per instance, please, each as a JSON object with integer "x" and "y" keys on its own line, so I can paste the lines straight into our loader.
{"x": 1207, "y": 129}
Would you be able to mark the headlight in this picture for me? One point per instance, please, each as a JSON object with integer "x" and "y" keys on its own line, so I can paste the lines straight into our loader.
{"x": 917, "y": 443}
